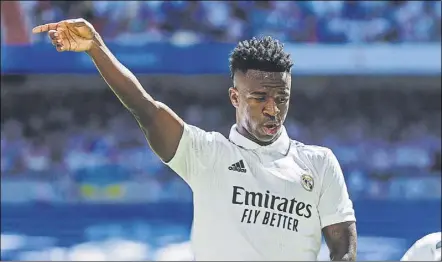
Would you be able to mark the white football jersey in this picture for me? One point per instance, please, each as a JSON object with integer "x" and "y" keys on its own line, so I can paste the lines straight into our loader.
{"x": 425, "y": 249}
{"x": 255, "y": 202}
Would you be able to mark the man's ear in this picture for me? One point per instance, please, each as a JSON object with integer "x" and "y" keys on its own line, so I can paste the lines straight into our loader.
{"x": 234, "y": 96}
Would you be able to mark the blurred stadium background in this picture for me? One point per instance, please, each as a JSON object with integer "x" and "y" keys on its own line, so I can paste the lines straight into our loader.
{"x": 78, "y": 181}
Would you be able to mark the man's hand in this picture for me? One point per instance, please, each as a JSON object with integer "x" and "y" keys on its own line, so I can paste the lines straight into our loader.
{"x": 75, "y": 35}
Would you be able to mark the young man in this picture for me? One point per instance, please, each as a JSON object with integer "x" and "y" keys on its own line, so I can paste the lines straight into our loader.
{"x": 428, "y": 248}
{"x": 258, "y": 195}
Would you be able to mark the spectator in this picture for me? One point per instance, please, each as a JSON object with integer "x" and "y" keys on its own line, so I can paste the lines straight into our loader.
{"x": 297, "y": 21}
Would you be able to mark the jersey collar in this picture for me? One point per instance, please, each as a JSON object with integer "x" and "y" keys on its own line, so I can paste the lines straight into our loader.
{"x": 281, "y": 145}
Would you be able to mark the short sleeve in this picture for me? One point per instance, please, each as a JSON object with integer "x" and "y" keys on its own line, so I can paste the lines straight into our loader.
{"x": 193, "y": 154}
{"x": 334, "y": 205}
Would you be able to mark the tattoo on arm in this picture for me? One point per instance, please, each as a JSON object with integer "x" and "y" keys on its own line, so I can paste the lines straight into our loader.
{"x": 341, "y": 240}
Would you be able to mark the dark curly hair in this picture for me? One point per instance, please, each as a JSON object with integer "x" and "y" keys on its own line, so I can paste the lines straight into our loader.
{"x": 264, "y": 54}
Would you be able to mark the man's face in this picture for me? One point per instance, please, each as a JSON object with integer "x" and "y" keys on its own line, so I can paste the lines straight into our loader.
{"x": 261, "y": 100}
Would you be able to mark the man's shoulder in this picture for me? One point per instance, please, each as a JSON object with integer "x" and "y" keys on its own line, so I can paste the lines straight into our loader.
{"x": 314, "y": 157}
{"x": 313, "y": 152}
{"x": 425, "y": 247}
{"x": 432, "y": 240}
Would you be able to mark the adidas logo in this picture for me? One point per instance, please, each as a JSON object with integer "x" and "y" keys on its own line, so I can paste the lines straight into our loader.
{"x": 238, "y": 166}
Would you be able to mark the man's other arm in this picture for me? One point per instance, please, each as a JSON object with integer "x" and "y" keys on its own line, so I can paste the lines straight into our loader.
{"x": 337, "y": 213}
{"x": 161, "y": 126}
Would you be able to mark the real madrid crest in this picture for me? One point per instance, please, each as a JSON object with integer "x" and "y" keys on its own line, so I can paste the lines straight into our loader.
{"x": 307, "y": 182}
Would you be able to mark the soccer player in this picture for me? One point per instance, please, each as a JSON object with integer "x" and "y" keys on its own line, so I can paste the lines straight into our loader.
{"x": 428, "y": 248}
{"x": 258, "y": 195}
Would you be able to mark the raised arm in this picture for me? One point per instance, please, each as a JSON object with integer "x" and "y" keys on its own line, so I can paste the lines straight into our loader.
{"x": 161, "y": 126}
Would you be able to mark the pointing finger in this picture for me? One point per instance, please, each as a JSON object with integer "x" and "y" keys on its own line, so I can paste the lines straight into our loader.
{"x": 44, "y": 28}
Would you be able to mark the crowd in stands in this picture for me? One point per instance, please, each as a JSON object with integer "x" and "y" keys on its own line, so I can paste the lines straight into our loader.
{"x": 387, "y": 142}
{"x": 138, "y": 22}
